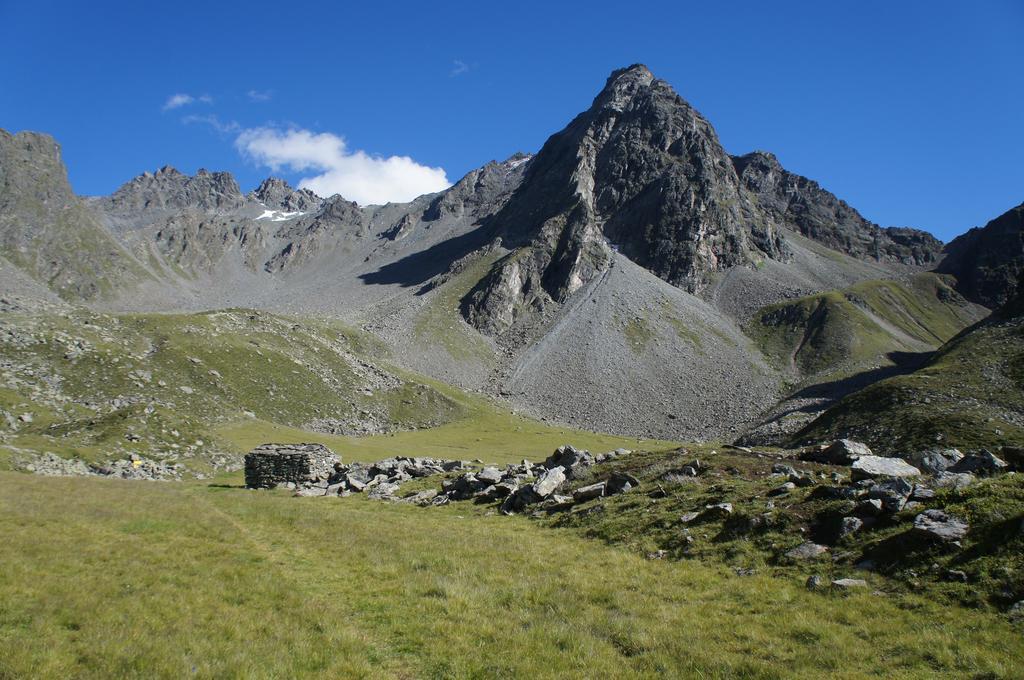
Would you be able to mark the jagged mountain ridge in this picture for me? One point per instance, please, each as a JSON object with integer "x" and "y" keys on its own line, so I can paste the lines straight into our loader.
{"x": 643, "y": 173}
{"x": 805, "y": 207}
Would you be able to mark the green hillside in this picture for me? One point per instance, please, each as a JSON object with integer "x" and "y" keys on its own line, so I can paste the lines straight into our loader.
{"x": 971, "y": 394}
{"x": 198, "y": 389}
{"x": 836, "y": 334}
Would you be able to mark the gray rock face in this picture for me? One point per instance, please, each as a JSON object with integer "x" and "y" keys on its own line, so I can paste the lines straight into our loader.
{"x": 170, "y": 190}
{"x": 869, "y": 467}
{"x": 640, "y": 171}
{"x": 277, "y": 194}
{"x": 269, "y": 465}
{"x": 477, "y": 194}
{"x": 988, "y": 261}
{"x": 48, "y": 232}
{"x": 936, "y": 524}
{"x": 803, "y": 206}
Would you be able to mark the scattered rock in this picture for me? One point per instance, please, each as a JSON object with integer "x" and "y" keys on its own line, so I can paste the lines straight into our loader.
{"x": 716, "y": 511}
{"x": 849, "y": 583}
{"x": 491, "y": 475}
{"x": 782, "y": 490}
{"x": 893, "y": 494}
{"x": 956, "y": 575}
{"x": 621, "y": 482}
{"x": 806, "y": 551}
{"x": 850, "y": 525}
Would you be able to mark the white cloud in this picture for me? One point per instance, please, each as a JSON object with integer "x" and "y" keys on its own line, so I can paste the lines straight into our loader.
{"x": 458, "y": 68}
{"x": 260, "y": 95}
{"x": 229, "y": 127}
{"x": 356, "y": 175}
{"x": 176, "y": 101}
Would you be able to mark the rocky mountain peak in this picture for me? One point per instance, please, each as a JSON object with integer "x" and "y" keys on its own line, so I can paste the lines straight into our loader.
{"x": 169, "y": 189}
{"x": 623, "y": 84}
{"x": 640, "y": 171}
{"x": 277, "y": 194}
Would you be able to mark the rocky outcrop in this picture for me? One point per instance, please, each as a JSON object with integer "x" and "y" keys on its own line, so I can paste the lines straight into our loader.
{"x": 170, "y": 190}
{"x": 988, "y": 262}
{"x": 480, "y": 192}
{"x": 48, "y": 232}
{"x": 277, "y": 194}
{"x": 311, "y": 236}
{"x": 804, "y": 206}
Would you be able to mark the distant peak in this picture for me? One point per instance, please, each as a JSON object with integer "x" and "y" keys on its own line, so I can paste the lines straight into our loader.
{"x": 273, "y": 183}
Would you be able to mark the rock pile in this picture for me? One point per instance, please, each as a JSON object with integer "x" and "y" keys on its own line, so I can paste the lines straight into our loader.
{"x": 133, "y": 467}
{"x": 270, "y": 465}
{"x": 381, "y": 480}
{"x": 526, "y": 484}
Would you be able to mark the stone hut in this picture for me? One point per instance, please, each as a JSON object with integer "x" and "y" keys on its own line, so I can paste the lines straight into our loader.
{"x": 268, "y": 465}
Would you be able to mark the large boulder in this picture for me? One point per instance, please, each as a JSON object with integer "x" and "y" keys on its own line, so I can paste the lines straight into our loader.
{"x": 568, "y": 457}
{"x": 983, "y": 462}
{"x": 839, "y": 452}
{"x": 893, "y": 494}
{"x": 935, "y": 461}
{"x": 937, "y": 524}
{"x": 870, "y": 467}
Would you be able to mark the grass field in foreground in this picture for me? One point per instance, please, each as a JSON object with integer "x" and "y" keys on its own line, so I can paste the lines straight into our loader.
{"x": 107, "y": 578}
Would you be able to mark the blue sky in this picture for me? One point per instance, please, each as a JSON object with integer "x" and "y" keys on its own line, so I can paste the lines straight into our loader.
{"x": 911, "y": 111}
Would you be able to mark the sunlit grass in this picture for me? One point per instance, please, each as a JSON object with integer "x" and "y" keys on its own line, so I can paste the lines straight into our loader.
{"x": 104, "y": 578}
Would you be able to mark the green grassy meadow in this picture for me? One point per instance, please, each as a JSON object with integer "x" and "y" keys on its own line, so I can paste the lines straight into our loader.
{"x": 107, "y": 578}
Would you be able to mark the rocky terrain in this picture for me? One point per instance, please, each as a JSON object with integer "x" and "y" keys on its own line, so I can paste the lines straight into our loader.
{"x": 834, "y": 512}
